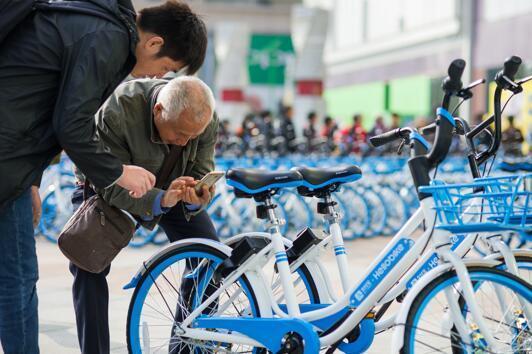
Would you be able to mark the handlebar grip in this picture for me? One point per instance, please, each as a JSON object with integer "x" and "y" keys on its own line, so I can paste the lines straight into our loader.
{"x": 385, "y": 138}
{"x": 429, "y": 129}
{"x": 511, "y": 65}
{"x": 456, "y": 69}
{"x": 453, "y": 82}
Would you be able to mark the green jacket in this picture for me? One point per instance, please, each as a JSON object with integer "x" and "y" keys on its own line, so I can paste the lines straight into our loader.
{"x": 125, "y": 125}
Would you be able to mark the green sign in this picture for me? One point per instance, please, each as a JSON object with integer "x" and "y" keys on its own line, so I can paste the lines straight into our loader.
{"x": 367, "y": 99}
{"x": 410, "y": 96}
{"x": 267, "y": 57}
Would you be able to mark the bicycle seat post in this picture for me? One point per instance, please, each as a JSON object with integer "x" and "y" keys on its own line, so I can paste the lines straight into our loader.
{"x": 327, "y": 208}
{"x": 266, "y": 211}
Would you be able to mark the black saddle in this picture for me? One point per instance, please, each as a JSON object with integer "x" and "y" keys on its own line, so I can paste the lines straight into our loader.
{"x": 322, "y": 178}
{"x": 255, "y": 181}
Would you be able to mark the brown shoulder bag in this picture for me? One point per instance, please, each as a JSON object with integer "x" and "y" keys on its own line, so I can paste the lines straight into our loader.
{"x": 97, "y": 231}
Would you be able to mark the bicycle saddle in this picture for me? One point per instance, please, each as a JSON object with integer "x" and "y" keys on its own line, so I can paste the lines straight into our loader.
{"x": 254, "y": 181}
{"x": 316, "y": 178}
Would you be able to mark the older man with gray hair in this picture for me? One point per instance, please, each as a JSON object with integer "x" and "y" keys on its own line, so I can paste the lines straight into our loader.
{"x": 141, "y": 123}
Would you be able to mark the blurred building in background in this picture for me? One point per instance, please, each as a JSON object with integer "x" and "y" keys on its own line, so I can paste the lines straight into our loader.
{"x": 390, "y": 56}
{"x": 374, "y": 57}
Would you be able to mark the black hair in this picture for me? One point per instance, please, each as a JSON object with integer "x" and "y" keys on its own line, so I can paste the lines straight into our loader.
{"x": 184, "y": 32}
{"x": 265, "y": 113}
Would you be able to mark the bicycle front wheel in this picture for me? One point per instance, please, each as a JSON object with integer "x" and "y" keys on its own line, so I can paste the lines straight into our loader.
{"x": 170, "y": 289}
{"x": 429, "y": 328}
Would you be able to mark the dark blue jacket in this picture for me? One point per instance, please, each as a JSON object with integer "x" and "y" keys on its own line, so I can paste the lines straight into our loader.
{"x": 56, "y": 69}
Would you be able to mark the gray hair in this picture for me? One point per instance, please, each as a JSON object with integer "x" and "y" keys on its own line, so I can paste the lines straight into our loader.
{"x": 186, "y": 93}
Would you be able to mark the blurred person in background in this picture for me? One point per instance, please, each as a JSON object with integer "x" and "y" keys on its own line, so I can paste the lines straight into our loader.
{"x": 396, "y": 121}
{"x": 224, "y": 131}
{"x": 264, "y": 123}
{"x": 328, "y": 131}
{"x": 224, "y": 134}
{"x": 379, "y": 127}
{"x": 287, "y": 129}
{"x": 248, "y": 129}
{"x": 355, "y": 137}
{"x": 420, "y": 122}
{"x": 391, "y": 149}
{"x": 457, "y": 147}
{"x": 512, "y": 139}
{"x": 310, "y": 132}
{"x": 483, "y": 139}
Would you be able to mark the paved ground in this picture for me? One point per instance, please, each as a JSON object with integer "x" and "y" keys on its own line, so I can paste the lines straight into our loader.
{"x": 57, "y": 321}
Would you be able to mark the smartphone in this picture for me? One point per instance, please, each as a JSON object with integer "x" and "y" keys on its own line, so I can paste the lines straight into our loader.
{"x": 208, "y": 180}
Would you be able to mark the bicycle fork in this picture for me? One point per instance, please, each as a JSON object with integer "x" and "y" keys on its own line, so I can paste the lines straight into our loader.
{"x": 468, "y": 293}
{"x": 511, "y": 266}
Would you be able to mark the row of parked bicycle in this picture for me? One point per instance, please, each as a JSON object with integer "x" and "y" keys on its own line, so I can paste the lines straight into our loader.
{"x": 377, "y": 205}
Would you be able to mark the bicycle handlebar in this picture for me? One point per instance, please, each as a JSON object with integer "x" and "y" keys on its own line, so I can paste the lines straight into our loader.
{"x": 504, "y": 80}
{"x": 387, "y": 137}
{"x": 453, "y": 82}
{"x": 445, "y": 122}
{"x": 421, "y": 165}
{"x": 428, "y": 129}
{"x": 510, "y": 68}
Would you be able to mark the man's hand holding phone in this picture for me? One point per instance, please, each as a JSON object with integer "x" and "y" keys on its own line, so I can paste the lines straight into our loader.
{"x": 196, "y": 192}
{"x": 191, "y": 195}
{"x": 176, "y": 191}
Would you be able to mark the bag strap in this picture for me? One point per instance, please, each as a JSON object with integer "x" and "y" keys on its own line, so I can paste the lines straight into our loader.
{"x": 168, "y": 165}
{"x": 86, "y": 187}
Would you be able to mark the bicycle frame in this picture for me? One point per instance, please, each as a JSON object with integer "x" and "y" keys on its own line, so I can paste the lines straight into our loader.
{"x": 429, "y": 260}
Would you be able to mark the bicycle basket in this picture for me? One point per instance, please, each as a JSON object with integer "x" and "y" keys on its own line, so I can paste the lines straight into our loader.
{"x": 486, "y": 205}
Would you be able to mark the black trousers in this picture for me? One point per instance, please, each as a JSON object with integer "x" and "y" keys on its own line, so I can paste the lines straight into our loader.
{"x": 91, "y": 294}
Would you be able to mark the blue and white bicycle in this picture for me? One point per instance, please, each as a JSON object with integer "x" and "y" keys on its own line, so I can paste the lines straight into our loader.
{"x": 202, "y": 296}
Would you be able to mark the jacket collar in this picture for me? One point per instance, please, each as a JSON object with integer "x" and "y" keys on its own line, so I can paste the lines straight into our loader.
{"x": 154, "y": 134}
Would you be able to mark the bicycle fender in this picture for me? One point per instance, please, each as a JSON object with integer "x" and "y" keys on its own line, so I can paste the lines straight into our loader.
{"x": 516, "y": 253}
{"x": 182, "y": 243}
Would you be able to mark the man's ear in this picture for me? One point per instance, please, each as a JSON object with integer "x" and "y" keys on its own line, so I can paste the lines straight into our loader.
{"x": 154, "y": 44}
{"x": 157, "y": 110}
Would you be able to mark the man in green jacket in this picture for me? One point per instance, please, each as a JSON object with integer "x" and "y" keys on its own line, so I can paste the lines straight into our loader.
{"x": 141, "y": 123}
